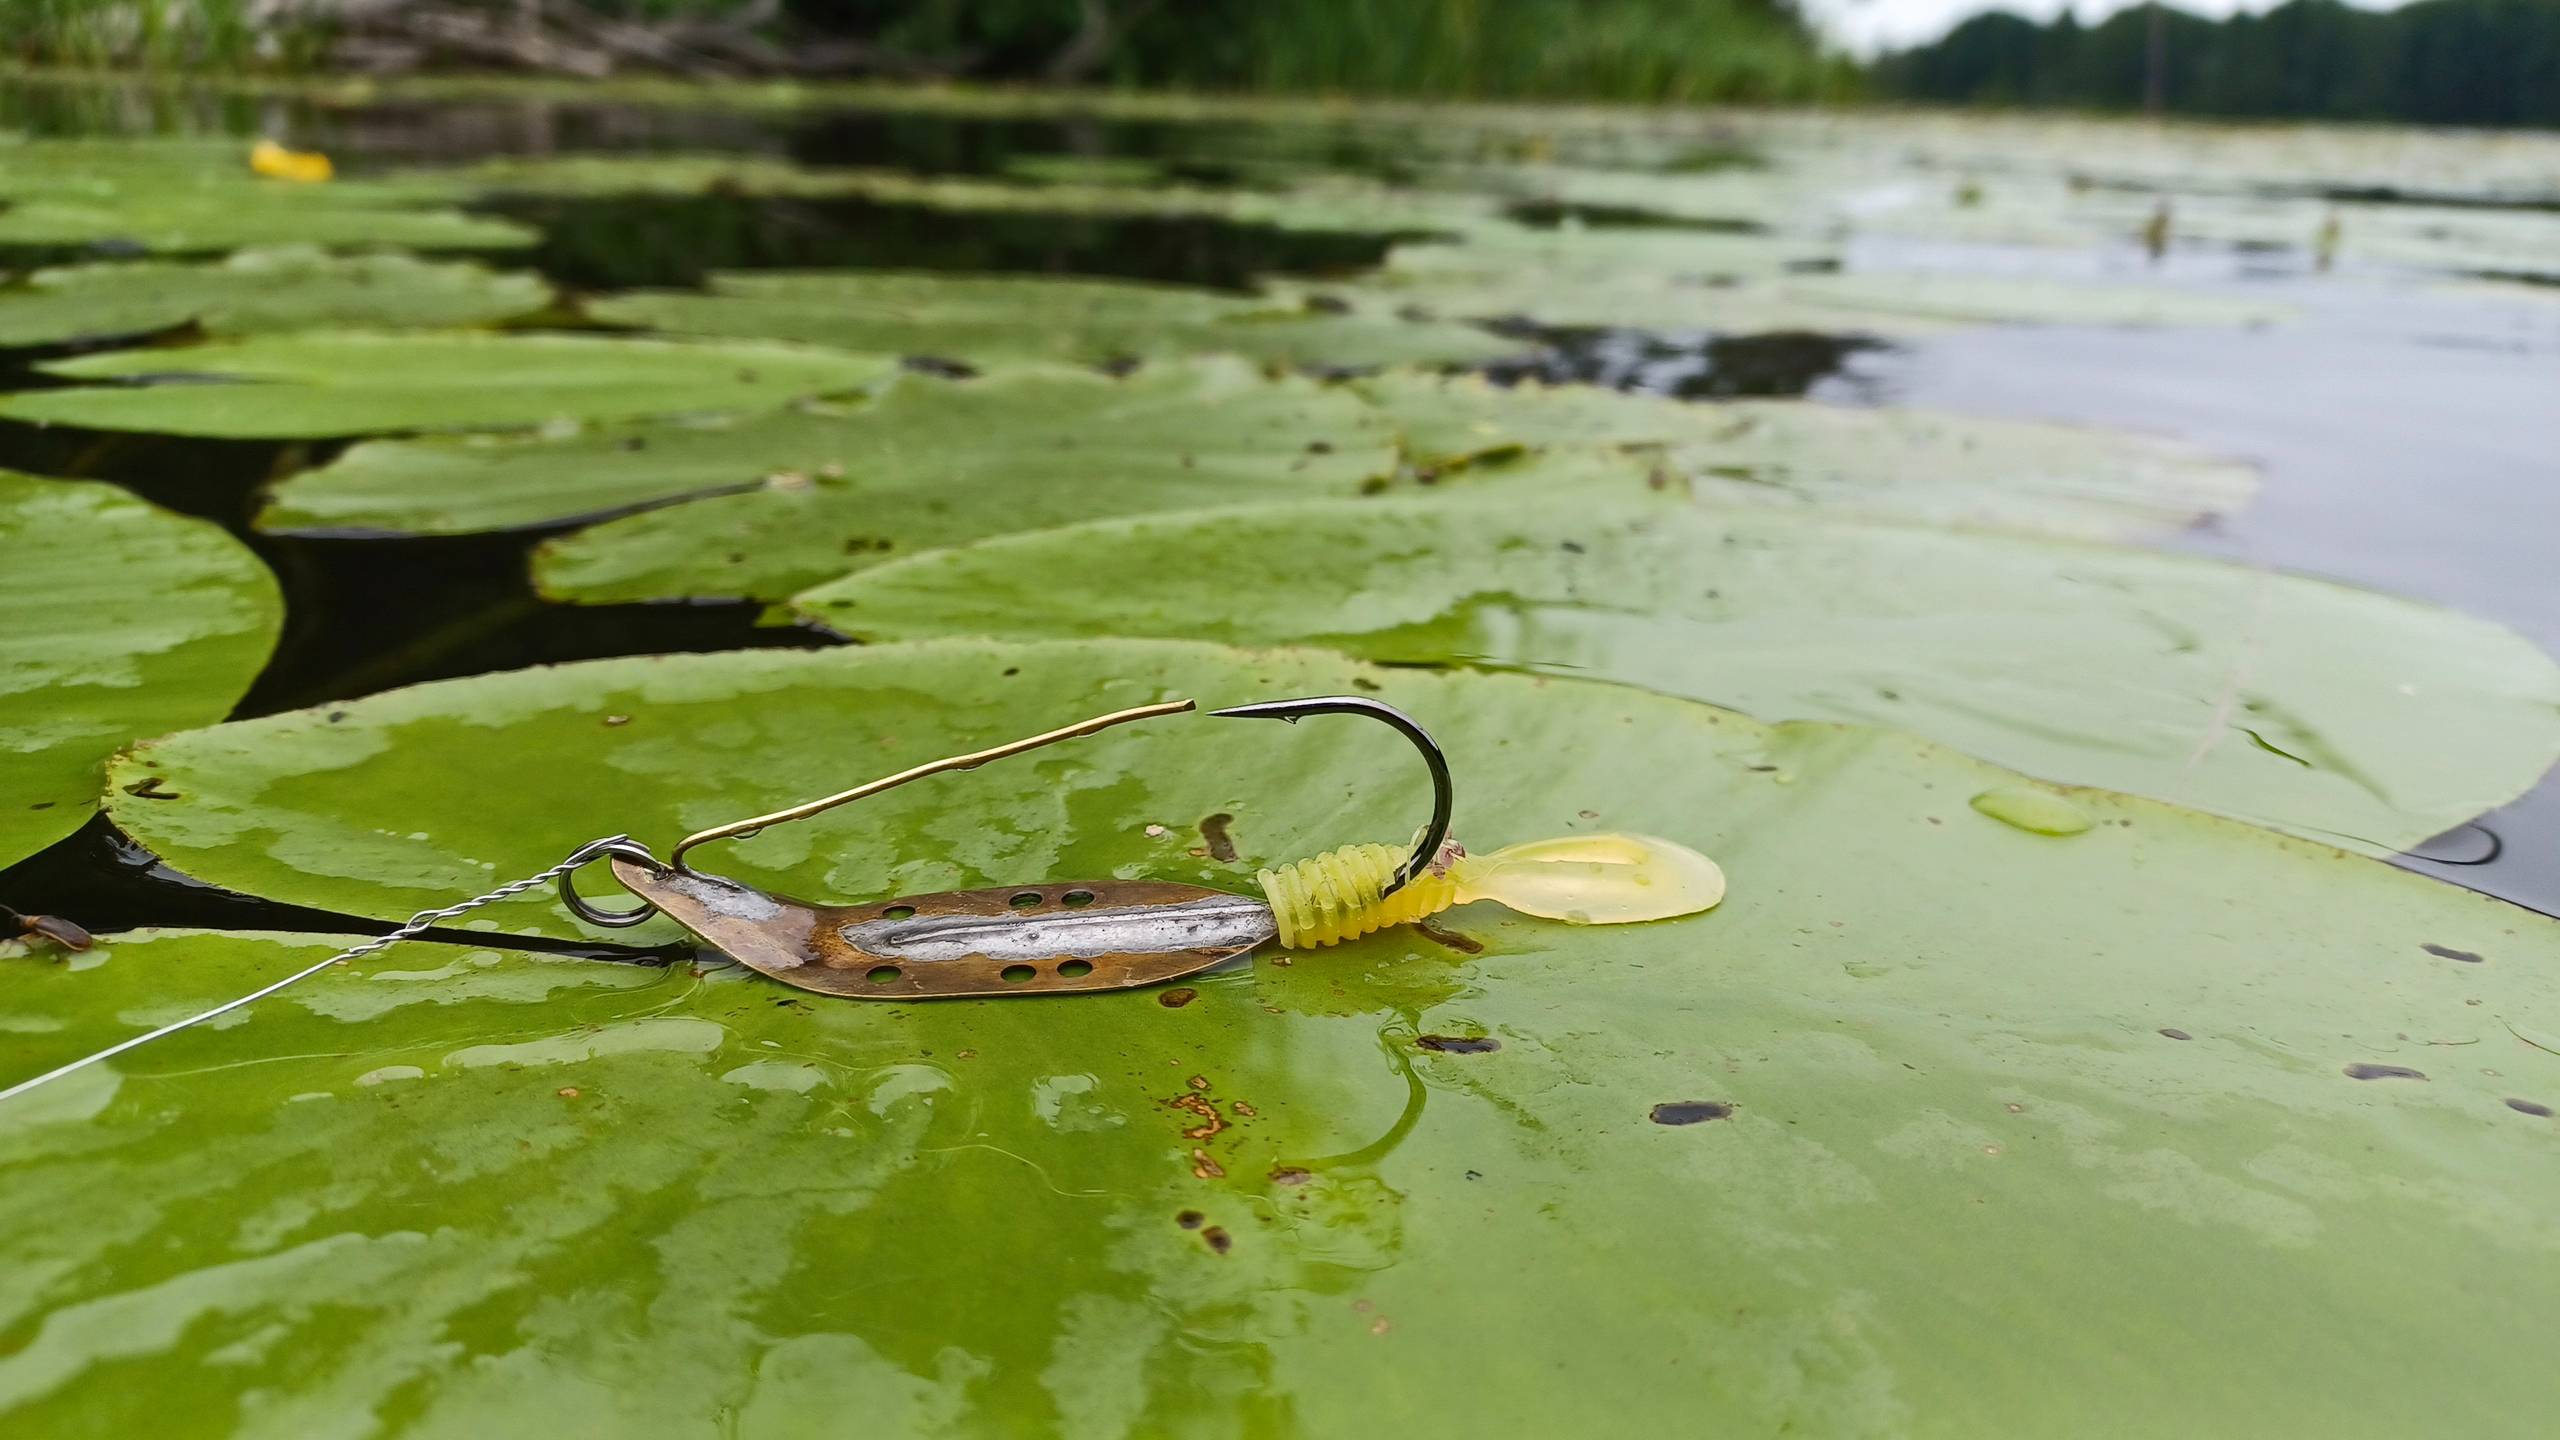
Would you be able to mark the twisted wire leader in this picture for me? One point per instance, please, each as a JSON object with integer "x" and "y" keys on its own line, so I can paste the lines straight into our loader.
{"x": 423, "y": 921}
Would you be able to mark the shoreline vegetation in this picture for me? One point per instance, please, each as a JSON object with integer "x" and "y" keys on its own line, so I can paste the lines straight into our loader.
{"x": 1651, "y": 51}
{"x": 2493, "y": 63}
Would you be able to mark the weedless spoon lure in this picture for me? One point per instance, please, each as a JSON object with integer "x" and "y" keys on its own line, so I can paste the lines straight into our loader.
{"x": 1054, "y": 938}
{"x": 1076, "y": 938}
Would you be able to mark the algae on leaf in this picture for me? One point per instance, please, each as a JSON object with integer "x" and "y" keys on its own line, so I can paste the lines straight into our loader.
{"x": 2343, "y": 714}
{"x": 931, "y": 463}
{"x": 328, "y": 384}
{"x": 118, "y": 621}
{"x": 1929, "y": 1049}
{"x": 262, "y": 292}
{"x": 979, "y": 319}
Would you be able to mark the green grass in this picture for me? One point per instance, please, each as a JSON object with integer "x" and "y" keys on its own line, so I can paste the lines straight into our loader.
{"x": 102, "y": 32}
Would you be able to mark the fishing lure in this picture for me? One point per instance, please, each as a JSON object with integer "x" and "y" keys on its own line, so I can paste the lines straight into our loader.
{"x": 1053, "y": 938}
{"x": 1112, "y": 935}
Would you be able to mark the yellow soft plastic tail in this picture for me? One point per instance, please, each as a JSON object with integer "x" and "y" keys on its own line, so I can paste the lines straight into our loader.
{"x": 1581, "y": 879}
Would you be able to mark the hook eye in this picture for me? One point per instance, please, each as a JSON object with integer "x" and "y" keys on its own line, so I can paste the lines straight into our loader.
{"x": 1443, "y": 799}
{"x": 620, "y": 848}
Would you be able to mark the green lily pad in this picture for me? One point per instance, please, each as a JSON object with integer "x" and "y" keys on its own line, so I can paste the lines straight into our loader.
{"x": 931, "y": 463}
{"x": 593, "y": 174}
{"x": 983, "y": 318}
{"x": 1319, "y": 203}
{"x": 1907, "y": 464}
{"x": 118, "y": 621}
{"x": 1924, "y": 1077}
{"x": 1737, "y": 285}
{"x": 318, "y": 385}
{"x": 212, "y": 223}
{"x": 1774, "y": 198}
{"x": 261, "y": 292}
{"x": 198, "y": 197}
{"x": 2339, "y": 713}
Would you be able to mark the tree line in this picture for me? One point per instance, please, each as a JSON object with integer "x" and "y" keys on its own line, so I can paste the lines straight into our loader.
{"x": 2447, "y": 62}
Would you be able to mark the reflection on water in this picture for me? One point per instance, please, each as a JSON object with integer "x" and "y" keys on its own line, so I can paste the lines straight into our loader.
{"x": 624, "y": 242}
{"x": 1693, "y": 366}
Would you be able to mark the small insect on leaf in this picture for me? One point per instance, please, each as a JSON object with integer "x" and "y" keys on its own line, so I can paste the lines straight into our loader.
{"x": 45, "y": 927}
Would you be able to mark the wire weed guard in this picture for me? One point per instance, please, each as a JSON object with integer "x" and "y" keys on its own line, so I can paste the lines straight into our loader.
{"x": 1050, "y": 938}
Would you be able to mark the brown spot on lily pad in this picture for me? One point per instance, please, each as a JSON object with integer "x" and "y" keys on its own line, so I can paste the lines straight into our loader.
{"x": 1198, "y": 1106}
{"x": 1213, "y": 832}
{"x": 2174, "y": 1033}
{"x": 1689, "y": 1112}
{"x": 2363, "y": 1071}
{"x": 1189, "y": 1219}
{"x": 1205, "y": 1168}
{"x": 1217, "y": 1239}
{"x": 1459, "y": 1044}
{"x": 2530, "y": 1107}
{"x": 1177, "y": 997}
{"x": 2447, "y": 952}
{"x": 1292, "y": 1175}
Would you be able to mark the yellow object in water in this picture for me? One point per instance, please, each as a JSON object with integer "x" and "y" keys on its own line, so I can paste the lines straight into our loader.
{"x": 1582, "y": 879}
{"x": 277, "y": 163}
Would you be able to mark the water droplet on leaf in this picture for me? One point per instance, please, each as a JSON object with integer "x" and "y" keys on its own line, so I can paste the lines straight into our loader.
{"x": 2037, "y": 811}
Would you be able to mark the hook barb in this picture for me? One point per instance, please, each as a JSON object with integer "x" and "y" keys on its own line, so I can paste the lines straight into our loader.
{"x": 1443, "y": 797}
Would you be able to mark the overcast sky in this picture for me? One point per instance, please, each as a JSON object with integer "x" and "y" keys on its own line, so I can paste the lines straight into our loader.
{"x": 1866, "y": 26}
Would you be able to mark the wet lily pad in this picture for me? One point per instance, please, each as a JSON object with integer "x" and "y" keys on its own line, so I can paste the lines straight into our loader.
{"x": 1319, "y": 204}
{"x": 2340, "y": 713}
{"x": 932, "y": 463}
{"x": 317, "y": 385}
{"x": 262, "y": 292}
{"x": 1923, "y": 1077}
{"x": 118, "y": 621}
{"x": 200, "y": 197}
{"x": 1908, "y": 464}
{"x": 982, "y": 318}
{"x": 1741, "y": 285}
{"x": 596, "y": 174}
{"x": 212, "y": 223}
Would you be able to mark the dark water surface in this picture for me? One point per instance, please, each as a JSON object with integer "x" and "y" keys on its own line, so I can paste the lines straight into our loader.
{"x": 2410, "y": 437}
